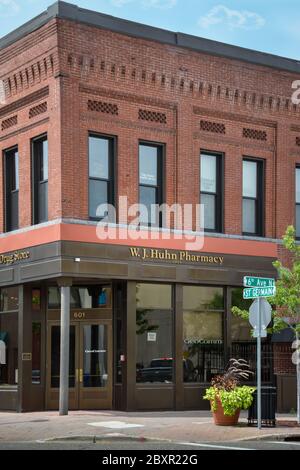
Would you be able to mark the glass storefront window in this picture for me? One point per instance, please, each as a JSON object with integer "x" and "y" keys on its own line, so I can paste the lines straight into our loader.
{"x": 82, "y": 297}
{"x": 154, "y": 333}
{"x": 36, "y": 352}
{"x": 243, "y": 345}
{"x": 9, "y": 299}
{"x": 9, "y": 305}
{"x": 240, "y": 329}
{"x": 120, "y": 307}
{"x": 203, "y": 337}
{"x": 36, "y": 299}
{"x": 8, "y": 348}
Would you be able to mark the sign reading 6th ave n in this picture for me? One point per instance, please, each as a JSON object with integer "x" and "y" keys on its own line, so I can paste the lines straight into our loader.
{"x": 250, "y": 281}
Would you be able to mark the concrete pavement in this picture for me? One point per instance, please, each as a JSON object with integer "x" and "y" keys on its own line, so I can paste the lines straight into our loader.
{"x": 188, "y": 427}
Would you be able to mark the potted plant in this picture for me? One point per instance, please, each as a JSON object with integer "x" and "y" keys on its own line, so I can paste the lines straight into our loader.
{"x": 226, "y": 394}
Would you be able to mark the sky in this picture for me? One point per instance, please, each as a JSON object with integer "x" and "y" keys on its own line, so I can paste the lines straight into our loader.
{"x": 266, "y": 25}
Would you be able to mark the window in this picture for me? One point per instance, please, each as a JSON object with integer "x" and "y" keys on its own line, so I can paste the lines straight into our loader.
{"x": 101, "y": 174}
{"x": 211, "y": 190}
{"x": 11, "y": 190}
{"x": 253, "y": 197}
{"x": 120, "y": 308}
{"x": 9, "y": 299}
{"x": 203, "y": 337}
{"x": 40, "y": 179}
{"x": 154, "y": 333}
{"x": 240, "y": 328}
{"x": 82, "y": 297}
{"x": 151, "y": 184}
{"x": 36, "y": 352}
{"x": 9, "y": 304}
{"x": 297, "y": 196}
{"x": 243, "y": 344}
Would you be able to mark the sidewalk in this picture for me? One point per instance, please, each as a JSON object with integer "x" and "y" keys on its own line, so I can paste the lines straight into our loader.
{"x": 194, "y": 426}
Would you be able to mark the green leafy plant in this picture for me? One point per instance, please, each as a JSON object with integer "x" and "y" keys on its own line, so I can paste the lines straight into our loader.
{"x": 227, "y": 390}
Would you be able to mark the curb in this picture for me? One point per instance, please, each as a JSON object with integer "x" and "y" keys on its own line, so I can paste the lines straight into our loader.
{"x": 95, "y": 438}
{"x": 122, "y": 437}
{"x": 268, "y": 437}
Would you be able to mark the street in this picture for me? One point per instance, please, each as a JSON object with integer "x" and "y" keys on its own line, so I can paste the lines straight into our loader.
{"x": 124, "y": 445}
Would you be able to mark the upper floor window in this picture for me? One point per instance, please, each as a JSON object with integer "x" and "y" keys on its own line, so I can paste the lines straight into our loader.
{"x": 211, "y": 190}
{"x": 253, "y": 197}
{"x": 11, "y": 184}
{"x": 297, "y": 198}
{"x": 40, "y": 179}
{"x": 151, "y": 183}
{"x": 101, "y": 174}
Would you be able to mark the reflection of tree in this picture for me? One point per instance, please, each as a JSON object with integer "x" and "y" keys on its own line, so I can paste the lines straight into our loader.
{"x": 240, "y": 328}
{"x": 142, "y": 322}
{"x": 238, "y": 301}
{"x": 203, "y": 322}
{"x": 216, "y": 303}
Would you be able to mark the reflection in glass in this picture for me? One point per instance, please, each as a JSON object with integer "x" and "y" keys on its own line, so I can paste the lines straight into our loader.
{"x": 148, "y": 165}
{"x": 82, "y": 297}
{"x": 9, "y": 299}
{"x": 249, "y": 179}
{"x": 298, "y": 220}
{"x": 150, "y": 183}
{"x": 98, "y": 158}
{"x": 8, "y": 348}
{"x": 154, "y": 333}
{"x": 240, "y": 328}
{"x": 249, "y": 216}
{"x": 98, "y": 195}
{"x": 208, "y": 173}
{"x": 95, "y": 373}
{"x": 297, "y": 197}
{"x": 203, "y": 344}
{"x": 55, "y": 357}
{"x": 243, "y": 345}
{"x": 44, "y": 162}
{"x": 36, "y": 352}
{"x": 36, "y": 299}
{"x": 298, "y": 185}
{"x": 209, "y": 202}
{"x": 203, "y": 298}
{"x": 148, "y": 199}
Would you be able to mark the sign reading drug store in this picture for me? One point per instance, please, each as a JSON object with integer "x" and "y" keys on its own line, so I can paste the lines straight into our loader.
{"x": 8, "y": 259}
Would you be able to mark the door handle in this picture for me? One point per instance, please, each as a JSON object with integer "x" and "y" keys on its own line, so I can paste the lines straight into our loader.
{"x": 77, "y": 375}
{"x": 81, "y": 375}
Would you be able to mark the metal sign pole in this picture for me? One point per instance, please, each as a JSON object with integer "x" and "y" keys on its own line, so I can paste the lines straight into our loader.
{"x": 259, "y": 366}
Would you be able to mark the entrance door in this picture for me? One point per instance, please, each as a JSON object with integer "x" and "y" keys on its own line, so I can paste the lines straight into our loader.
{"x": 95, "y": 366}
{"x": 90, "y": 368}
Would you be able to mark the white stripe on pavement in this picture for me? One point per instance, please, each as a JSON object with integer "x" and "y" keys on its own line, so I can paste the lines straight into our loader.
{"x": 214, "y": 446}
{"x": 293, "y": 443}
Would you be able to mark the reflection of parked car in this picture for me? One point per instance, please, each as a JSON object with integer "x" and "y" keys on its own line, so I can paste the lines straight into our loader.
{"x": 161, "y": 370}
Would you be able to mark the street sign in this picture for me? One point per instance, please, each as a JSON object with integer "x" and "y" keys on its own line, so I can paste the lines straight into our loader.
{"x": 250, "y": 281}
{"x": 263, "y": 334}
{"x": 260, "y": 315}
{"x": 256, "y": 292}
{"x": 264, "y": 308}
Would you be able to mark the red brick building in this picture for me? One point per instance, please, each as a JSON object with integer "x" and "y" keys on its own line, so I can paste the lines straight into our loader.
{"x": 94, "y": 108}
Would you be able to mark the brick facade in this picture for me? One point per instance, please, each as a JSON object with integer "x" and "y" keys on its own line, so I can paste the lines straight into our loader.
{"x": 68, "y": 78}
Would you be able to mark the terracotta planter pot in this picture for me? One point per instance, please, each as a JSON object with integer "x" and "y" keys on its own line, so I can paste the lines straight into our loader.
{"x": 222, "y": 420}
